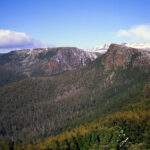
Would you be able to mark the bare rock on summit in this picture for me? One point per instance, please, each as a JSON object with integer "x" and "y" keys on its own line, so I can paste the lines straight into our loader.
{"x": 123, "y": 56}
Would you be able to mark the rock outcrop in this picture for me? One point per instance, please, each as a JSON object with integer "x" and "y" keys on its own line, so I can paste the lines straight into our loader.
{"x": 123, "y": 56}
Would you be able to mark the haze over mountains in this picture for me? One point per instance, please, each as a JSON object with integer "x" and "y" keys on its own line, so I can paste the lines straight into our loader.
{"x": 45, "y": 92}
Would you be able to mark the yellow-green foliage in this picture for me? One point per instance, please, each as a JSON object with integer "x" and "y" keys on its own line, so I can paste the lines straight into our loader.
{"x": 107, "y": 132}
{"x": 131, "y": 123}
{"x": 4, "y": 144}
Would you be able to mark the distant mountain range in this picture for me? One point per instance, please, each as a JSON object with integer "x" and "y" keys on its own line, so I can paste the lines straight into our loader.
{"x": 59, "y": 93}
{"x": 100, "y": 49}
{"x": 145, "y": 46}
{"x": 104, "y": 48}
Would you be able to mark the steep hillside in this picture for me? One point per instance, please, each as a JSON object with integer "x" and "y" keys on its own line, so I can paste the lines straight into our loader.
{"x": 42, "y": 106}
{"x": 126, "y": 57}
{"x": 126, "y": 129}
{"x": 21, "y": 64}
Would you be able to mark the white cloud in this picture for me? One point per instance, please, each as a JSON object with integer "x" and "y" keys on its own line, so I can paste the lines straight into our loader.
{"x": 12, "y": 39}
{"x": 136, "y": 33}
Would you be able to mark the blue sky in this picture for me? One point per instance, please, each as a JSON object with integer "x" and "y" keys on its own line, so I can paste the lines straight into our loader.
{"x": 82, "y": 23}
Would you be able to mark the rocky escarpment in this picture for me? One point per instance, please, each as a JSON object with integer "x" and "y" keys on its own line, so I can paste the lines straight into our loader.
{"x": 123, "y": 56}
{"x": 41, "y": 62}
{"x": 45, "y": 106}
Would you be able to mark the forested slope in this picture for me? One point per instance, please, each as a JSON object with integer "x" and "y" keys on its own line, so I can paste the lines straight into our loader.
{"x": 39, "y": 107}
{"x": 128, "y": 128}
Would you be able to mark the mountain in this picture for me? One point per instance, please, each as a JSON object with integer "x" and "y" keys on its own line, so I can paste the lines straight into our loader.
{"x": 100, "y": 49}
{"x": 103, "y": 49}
{"x": 38, "y": 107}
{"x": 144, "y": 46}
{"x": 21, "y": 64}
{"x": 123, "y": 56}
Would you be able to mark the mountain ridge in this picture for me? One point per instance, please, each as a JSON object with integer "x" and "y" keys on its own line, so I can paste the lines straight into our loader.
{"x": 41, "y": 62}
{"x": 45, "y": 106}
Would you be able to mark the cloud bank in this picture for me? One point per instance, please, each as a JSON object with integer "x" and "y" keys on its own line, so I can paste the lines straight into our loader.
{"x": 136, "y": 33}
{"x": 17, "y": 40}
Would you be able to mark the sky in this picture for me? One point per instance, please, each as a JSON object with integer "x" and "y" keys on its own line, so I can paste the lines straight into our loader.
{"x": 81, "y": 23}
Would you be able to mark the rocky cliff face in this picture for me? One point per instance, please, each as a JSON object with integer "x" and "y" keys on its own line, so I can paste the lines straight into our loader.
{"x": 123, "y": 56}
{"x": 17, "y": 65}
{"x": 45, "y": 62}
{"x": 45, "y": 106}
